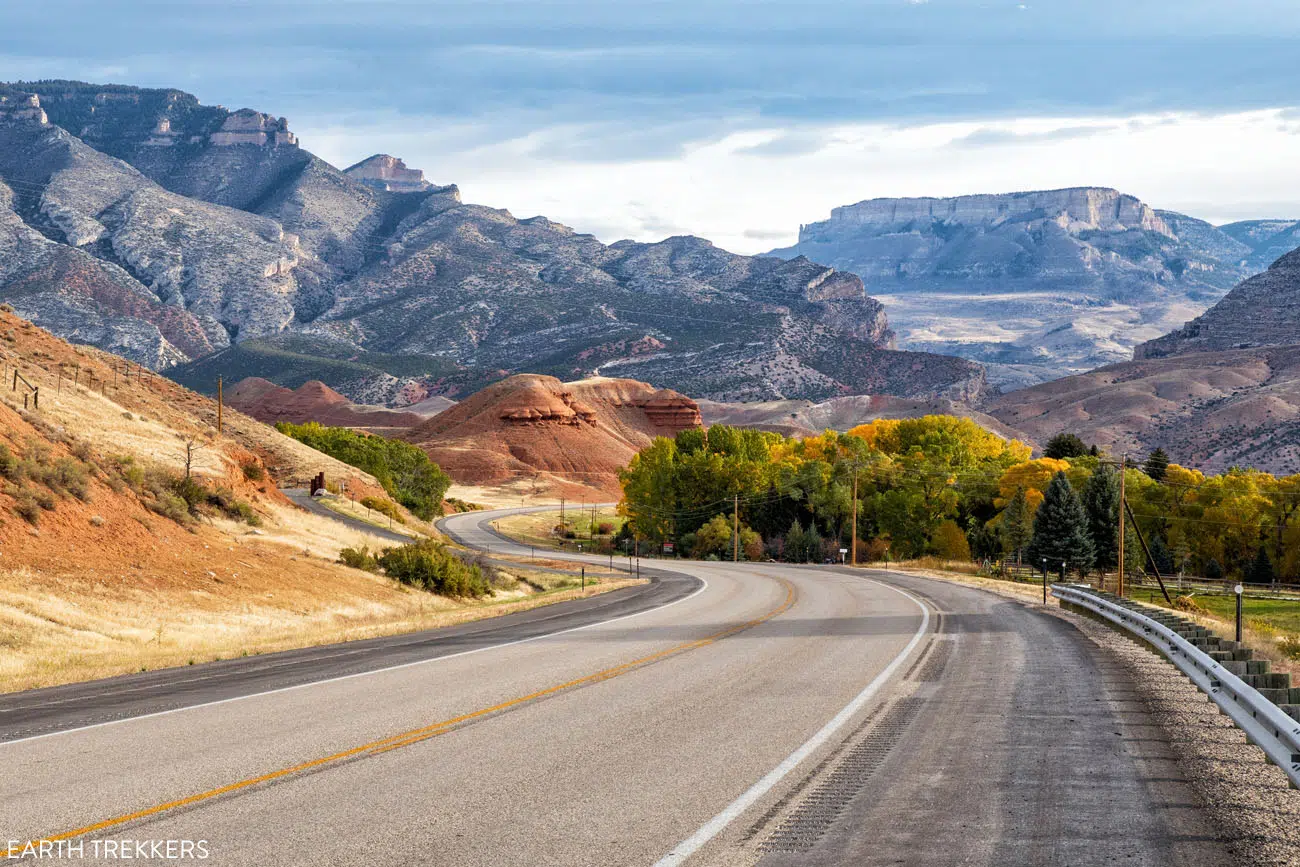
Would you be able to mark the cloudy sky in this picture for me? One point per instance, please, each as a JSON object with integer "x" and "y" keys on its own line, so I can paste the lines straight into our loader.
{"x": 733, "y": 120}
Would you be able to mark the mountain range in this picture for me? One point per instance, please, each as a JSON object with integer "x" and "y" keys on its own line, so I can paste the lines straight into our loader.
{"x": 1038, "y": 285}
{"x": 205, "y": 241}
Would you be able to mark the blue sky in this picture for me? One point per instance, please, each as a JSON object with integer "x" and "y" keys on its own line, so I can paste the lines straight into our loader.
{"x": 733, "y": 120}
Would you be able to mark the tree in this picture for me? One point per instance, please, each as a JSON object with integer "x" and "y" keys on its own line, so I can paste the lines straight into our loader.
{"x": 1260, "y": 570}
{"x": 1160, "y": 553}
{"x": 1157, "y": 463}
{"x": 950, "y": 542}
{"x": 1101, "y": 501}
{"x": 1017, "y": 526}
{"x": 1061, "y": 528}
{"x": 1065, "y": 445}
{"x": 1213, "y": 570}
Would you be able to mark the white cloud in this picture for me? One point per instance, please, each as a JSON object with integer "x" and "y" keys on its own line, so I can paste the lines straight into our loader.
{"x": 739, "y": 190}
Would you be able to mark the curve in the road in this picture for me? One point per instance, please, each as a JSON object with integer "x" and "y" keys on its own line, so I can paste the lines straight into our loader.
{"x": 53, "y": 710}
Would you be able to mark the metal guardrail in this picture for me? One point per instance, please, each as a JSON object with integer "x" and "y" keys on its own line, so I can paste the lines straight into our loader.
{"x": 1265, "y": 724}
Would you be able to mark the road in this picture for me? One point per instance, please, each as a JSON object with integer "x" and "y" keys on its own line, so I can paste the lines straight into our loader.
{"x": 769, "y": 714}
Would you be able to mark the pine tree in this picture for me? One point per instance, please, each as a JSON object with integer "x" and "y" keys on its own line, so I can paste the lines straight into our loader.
{"x": 794, "y": 543}
{"x": 1157, "y": 463}
{"x": 1160, "y": 553}
{"x": 1101, "y": 501}
{"x": 1213, "y": 570}
{"x": 1061, "y": 529}
{"x": 1260, "y": 570}
{"x": 1016, "y": 527}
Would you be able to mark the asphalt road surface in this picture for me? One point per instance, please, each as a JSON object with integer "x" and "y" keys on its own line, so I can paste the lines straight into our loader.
{"x": 762, "y": 713}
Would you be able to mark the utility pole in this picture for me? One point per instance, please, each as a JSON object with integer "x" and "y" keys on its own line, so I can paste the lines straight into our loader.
{"x": 561, "y": 516}
{"x": 1123, "y": 462}
{"x": 735, "y": 529}
{"x": 220, "y": 401}
{"x": 853, "y": 542}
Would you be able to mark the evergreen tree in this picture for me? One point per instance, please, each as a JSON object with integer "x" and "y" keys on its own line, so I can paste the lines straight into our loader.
{"x": 1061, "y": 529}
{"x": 1213, "y": 570}
{"x": 812, "y": 541}
{"x": 1156, "y": 465}
{"x": 1016, "y": 527}
{"x": 1101, "y": 501}
{"x": 1160, "y": 553}
{"x": 794, "y": 544}
{"x": 1065, "y": 445}
{"x": 1260, "y": 571}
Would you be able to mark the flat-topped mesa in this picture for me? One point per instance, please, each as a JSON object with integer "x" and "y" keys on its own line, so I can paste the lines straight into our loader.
{"x": 1074, "y": 210}
{"x": 389, "y": 174}
{"x": 247, "y": 126}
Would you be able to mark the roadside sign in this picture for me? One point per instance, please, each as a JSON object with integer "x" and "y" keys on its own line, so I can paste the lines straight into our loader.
{"x": 668, "y": 547}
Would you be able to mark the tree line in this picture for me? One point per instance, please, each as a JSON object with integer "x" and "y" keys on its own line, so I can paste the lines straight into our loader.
{"x": 946, "y": 487}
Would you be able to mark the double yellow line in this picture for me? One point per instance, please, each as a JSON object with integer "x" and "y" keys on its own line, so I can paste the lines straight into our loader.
{"x": 414, "y": 736}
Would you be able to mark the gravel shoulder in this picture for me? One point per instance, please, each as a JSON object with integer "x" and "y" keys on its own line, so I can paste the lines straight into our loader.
{"x": 1249, "y": 800}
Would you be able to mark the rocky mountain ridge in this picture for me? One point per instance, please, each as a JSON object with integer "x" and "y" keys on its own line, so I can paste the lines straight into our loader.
{"x": 1261, "y": 311}
{"x": 1035, "y": 285}
{"x": 202, "y": 229}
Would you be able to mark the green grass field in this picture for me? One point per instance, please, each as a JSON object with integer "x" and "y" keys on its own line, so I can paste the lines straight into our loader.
{"x": 1280, "y": 615}
{"x": 537, "y": 528}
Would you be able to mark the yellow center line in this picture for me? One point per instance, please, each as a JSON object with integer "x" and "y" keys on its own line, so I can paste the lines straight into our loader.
{"x": 414, "y": 736}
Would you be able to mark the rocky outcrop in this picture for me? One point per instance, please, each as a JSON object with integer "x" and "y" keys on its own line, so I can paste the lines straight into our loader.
{"x": 245, "y": 127}
{"x": 1033, "y": 285}
{"x": 387, "y": 173}
{"x": 668, "y": 409}
{"x": 1261, "y": 311}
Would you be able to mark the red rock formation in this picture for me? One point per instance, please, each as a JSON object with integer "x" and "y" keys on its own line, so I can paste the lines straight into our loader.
{"x": 536, "y": 429}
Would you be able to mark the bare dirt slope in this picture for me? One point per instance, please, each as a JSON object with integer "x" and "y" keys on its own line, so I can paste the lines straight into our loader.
{"x": 316, "y": 401}
{"x": 535, "y": 432}
{"x": 1211, "y": 410}
{"x": 99, "y": 575}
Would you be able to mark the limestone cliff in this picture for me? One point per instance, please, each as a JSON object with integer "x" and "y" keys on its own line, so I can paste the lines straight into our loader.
{"x": 1033, "y": 284}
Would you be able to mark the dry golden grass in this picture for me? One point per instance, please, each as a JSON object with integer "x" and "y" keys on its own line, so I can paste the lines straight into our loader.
{"x": 104, "y": 586}
{"x": 63, "y": 630}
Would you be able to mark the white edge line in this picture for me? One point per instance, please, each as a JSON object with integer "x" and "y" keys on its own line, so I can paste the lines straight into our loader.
{"x": 732, "y": 811}
{"x": 704, "y": 585}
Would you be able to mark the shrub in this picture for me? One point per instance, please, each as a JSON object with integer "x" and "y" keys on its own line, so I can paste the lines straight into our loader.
{"x": 384, "y": 507}
{"x": 605, "y": 528}
{"x": 1213, "y": 570}
{"x": 429, "y": 566}
{"x": 8, "y": 463}
{"x": 72, "y": 476}
{"x": 359, "y": 558}
{"x": 82, "y": 451}
{"x": 253, "y": 471}
{"x": 27, "y": 507}
{"x": 45, "y": 500}
{"x": 171, "y": 506}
